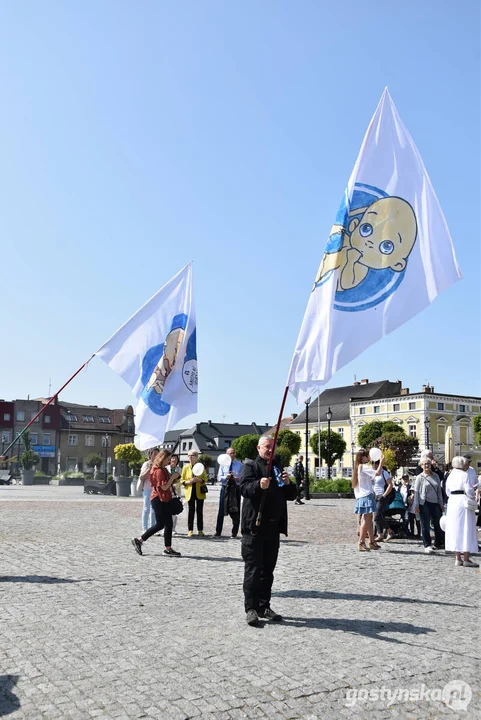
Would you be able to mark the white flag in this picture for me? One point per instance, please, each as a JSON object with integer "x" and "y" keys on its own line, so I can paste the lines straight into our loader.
{"x": 155, "y": 353}
{"x": 388, "y": 256}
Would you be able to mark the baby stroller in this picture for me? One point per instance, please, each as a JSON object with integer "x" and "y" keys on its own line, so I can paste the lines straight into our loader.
{"x": 396, "y": 508}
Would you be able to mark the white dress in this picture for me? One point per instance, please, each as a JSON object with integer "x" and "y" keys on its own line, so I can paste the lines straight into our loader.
{"x": 461, "y": 535}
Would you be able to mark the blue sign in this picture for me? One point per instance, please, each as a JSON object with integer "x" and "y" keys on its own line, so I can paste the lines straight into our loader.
{"x": 44, "y": 450}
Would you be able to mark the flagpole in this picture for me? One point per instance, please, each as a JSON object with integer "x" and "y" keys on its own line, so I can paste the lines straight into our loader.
{"x": 46, "y": 405}
{"x": 271, "y": 459}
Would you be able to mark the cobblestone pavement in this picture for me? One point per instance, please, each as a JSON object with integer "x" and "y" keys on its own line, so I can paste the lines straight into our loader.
{"x": 90, "y": 629}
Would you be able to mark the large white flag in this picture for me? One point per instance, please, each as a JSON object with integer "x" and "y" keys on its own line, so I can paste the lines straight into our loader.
{"x": 155, "y": 353}
{"x": 388, "y": 256}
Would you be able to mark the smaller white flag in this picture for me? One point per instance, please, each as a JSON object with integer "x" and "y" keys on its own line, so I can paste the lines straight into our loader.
{"x": 389, "y": 254}
{"x": 155, "y": 353}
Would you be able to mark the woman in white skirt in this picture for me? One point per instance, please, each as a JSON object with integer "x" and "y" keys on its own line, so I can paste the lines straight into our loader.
{"x": 362, "y": 482}
{"x": 461, "y": 535}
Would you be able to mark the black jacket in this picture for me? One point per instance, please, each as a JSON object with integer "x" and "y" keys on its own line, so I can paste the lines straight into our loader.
{"x": 275, "y": 506}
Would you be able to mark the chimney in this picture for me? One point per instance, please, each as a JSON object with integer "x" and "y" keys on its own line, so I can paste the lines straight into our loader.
{"x": 364, "y": 381}
{"x": 209, "y": 422}
{"x": 404, "y": 391}
{"x": 428, "y": 389}
{"x": 356, "y": 382}
{"x": 293, "y": 416}
{"x": 236, "y": 423}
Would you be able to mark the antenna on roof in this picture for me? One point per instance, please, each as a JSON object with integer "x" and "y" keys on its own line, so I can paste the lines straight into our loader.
{"x": 355, "y": 378}
{"x": 49, "y": 386}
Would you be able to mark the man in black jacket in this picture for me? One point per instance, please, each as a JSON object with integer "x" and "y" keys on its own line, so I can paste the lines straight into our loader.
{"x": 260, "y": 545}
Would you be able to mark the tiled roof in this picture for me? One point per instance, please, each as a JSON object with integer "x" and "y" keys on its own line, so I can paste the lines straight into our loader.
{"x": 205, "y": 433}
{"x": 117, "y": 417}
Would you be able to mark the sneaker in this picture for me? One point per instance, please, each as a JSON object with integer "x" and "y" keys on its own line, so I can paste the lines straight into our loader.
{"x": 438, "y": 547}
{"x": 201, "y": 533}
{"x": 252, "y": 618}
{"x": 137, "y": 545}
{"x": 190, "y": 533}
{"x": 470, "y": 563}
{"x": 298, "y": 502}
{"x": 429, "y": 550}
{"x": 458, "y": 563}
{"x": 172, "y": 552}
{"x": 269, "y": 614}
{"x": 233, "y": 537}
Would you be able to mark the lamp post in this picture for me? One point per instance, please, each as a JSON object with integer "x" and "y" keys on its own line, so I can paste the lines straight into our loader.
{"x": 329, "y": 418}
{"x": 426, "y": 425}
{"x": 306, "y": 493}
{"x": 353, "y": 451}
{"x": 107, "y": 440}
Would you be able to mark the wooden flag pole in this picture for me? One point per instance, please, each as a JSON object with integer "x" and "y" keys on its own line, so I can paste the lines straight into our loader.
{"x": 271, "y": 459}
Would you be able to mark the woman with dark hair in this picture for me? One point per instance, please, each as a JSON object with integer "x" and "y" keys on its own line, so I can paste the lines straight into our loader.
{"x": 161, "y": 481}
{"x": 428, "y": 502}
{"x": 362, "y": 482}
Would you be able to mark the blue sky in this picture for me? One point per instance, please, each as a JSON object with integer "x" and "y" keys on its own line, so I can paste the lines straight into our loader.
{"x": 135, "y": 137}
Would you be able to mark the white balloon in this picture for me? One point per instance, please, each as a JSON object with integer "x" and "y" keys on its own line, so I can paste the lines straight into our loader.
{"x": 375, "y": 454}
{"x": 442, "y": 523}
{"x": 198, "y": 469}
{"x": 224, "y": 460}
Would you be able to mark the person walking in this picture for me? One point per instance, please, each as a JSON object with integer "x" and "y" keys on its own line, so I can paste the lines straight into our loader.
{"x": 229, "y": 478}
{"x": 148, "y": 515}
{"x": 260, "y": 544}
{"x": 299, "y": 475}
{"x": 194, "y": 494}
{"x": 362, "y": 481}
{"x": 161, "y": 481}
{"x": 428, "y": 501}
{"x": 461, "y": 535}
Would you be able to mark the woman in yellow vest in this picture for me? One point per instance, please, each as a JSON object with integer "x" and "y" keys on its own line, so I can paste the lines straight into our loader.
{"x": 193, "y": 494}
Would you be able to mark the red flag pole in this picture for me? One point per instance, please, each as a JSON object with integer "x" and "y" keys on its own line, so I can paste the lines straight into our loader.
{"x": 48, "y": 403}
{"x": 271, "y": 459}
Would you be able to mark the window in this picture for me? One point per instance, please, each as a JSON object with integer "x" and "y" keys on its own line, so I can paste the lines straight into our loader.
{"x": 377, "y": 409}
{"x": 32, "y": 415}
{"x": 105, "y": 441}
{"x": 362, "y": 411}
{"x": 46, "y": 438}
{"x": 72, "y": 439}
{"x": 412, "y": 406}
{"x": 226, "y": 443}
{"x": 462, "y": 408}
{"x": 412, "y": 430}
{"x": 88, "y": 418}
{"x": 396, "y": 407}
{"x": 5, "y": 436}
{"x": 20, "y": 416}
{"x": 72, "y": 464}
{"x": 440, "y": 406}
{"x": 34, "y": 438}
{"x": 71, "y": 417}
{"x": 46, "y": 419}
{"x": 130, "y": 425}
{"x": 89, "y": 440}
{"x": 104, "y": 419}
{"x": 441, "y": 433}
{"x": 184, "y": 445}
{"x": 6, "y": 416}
{"x": 190, "y": 446}
{"x": 341, "y": 432}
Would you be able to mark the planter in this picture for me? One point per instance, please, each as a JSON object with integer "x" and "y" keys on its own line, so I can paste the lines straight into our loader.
{"x": 27, "y": 477}
{"x": 41, "y": 480}
{"x": 133, "y": 488}
{"x": 122, "y": 486}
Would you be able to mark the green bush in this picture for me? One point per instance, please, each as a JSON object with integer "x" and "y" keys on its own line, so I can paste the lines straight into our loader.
{"x": 343, "y": 485}
{"x": 41, "y": 474}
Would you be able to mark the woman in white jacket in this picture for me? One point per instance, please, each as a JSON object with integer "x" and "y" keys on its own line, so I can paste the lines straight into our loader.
{"x": 461, "y": 536}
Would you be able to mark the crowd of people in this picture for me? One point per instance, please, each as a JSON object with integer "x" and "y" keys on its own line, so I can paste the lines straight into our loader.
{"x": 444, "y": 502}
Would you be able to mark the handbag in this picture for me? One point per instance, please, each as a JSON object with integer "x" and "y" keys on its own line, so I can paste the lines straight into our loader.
{"x": 140, "y": 484}
{"x": 176, "y": 506}
{"x": 204, "y": 489}
{"x": 470, "y": 504}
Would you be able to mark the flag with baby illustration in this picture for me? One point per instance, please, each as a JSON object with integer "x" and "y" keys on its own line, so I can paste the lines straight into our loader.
{"x": 389, "y": 254}
{"x": 155, "y": 353}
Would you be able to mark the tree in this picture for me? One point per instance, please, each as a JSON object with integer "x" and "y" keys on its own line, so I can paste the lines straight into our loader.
{"x": 284, "y": 454}
{"x": 370, "y": 432}
{"x": 29, "y": 458}
{"x": 130, "y": 455}
{"x": 206, "y": 460}
{"x": 337, "y": 446}
{"x": 94, "y": 460}
{"x": 477, "y": 428}
{"x": 389, "y": 462}
{"x": 289, "y": 439}
{"x": 245, "y": 446}
{"x": 404, "y": 447}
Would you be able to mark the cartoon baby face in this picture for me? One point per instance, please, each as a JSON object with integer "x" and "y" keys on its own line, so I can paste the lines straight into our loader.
{"x": 167, "y": 361}
{"x": 385, "y": 234}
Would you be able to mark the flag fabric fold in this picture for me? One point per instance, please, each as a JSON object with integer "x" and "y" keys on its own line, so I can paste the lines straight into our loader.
{"x": 155, "y": 353}
{"x": 388, "y": 256}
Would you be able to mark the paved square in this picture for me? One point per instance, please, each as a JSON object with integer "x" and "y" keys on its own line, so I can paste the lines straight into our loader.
{"x": 90, "y": 629}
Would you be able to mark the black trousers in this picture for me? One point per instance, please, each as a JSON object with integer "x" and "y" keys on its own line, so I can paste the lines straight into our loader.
{"x": 195, "y": 504}
{"x": 259, "y": 553}
{"x": 299, "y": 486}
{"x": 163, "y": 521}
{"x": 380, "y": 523}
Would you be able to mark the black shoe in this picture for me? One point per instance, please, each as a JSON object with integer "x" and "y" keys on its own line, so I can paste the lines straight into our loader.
{"x": 269, "y": 614}
{"x": 252, "y": 618}
{"x": 217, "y": 534}
{"x": 137, "y": 545}
{"x": 172, "y": 552}
{"x": 298, "y": 502}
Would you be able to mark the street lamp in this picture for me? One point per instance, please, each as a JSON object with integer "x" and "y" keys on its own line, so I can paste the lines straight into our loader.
{"x": 426, "y": 425}
{"x": 329, "y": 418}
{"x": 107, "y": 440}
{"x": 306, "y": 493}
{"x": 353, "y": 451}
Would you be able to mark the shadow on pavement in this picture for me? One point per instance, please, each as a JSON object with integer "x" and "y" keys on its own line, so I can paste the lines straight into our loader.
{"x": 326, "y": 595}
{"x": 214, "y": 559}
{"x": 36, "y": 579}
{"x": 367, "y": 628}
{"x": 9, "y": 702}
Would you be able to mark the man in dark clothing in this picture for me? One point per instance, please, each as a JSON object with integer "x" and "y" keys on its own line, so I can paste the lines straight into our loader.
{"x": 260, "y": 545}
{"x": 299, "y": 476}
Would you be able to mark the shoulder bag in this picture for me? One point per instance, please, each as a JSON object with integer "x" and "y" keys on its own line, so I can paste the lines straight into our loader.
{"x": 175, "y": 505}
